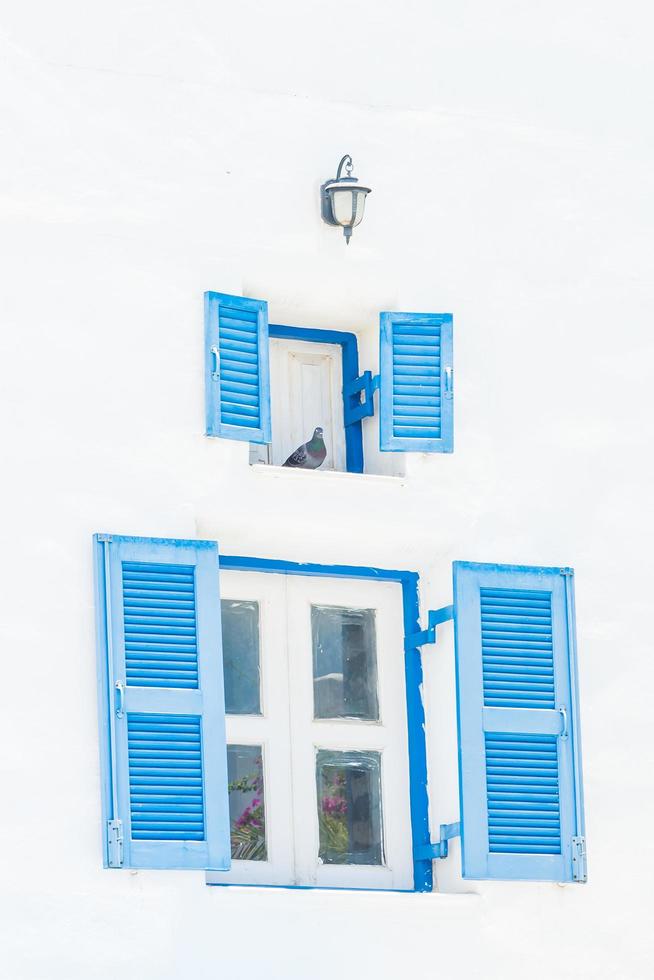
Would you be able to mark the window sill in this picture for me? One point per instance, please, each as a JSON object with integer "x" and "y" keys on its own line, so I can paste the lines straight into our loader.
{"x": 385, "y": 894}
{"x": 289, "y": 473}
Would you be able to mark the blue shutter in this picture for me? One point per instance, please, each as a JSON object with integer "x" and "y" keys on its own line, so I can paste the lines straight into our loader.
{"x": 237, "y": 376}
{"x": 415, "y": 393}
{"x": 162, "y": 704}
{"x": 519, "y": 748}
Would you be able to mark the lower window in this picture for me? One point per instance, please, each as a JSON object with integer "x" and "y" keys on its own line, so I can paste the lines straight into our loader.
{"x": 317, "y": 732}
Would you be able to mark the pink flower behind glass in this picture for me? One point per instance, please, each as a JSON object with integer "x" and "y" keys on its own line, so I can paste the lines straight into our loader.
{"x": 334, "y": 806}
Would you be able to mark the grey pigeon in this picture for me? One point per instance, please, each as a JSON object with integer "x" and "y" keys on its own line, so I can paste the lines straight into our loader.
{"x": 310, "y": 455}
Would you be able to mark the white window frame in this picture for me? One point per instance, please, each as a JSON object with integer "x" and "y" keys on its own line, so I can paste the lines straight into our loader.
{"x": 291, "y": 360}
{"x": 290, "y": 795}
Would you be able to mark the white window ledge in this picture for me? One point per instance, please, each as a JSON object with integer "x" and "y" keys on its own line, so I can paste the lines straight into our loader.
{"x": 290, "y": 473}
{"x": 337, "y": 895}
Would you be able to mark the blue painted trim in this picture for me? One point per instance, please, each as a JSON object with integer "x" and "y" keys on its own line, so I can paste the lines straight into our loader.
{"x": 571, "y": 619}
{"x": 419, "y": 801}
{"x": 312, "y": 888}
{"x": 364, "y": 388}
{"x": 440, "y": 848}
{"x": 434, "y": 618}
{"x": 102, "y": 661}
{"x": 350, "y": 368}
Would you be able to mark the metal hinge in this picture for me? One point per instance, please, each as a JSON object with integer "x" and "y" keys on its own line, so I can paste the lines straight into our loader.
{"x": 105, "y": 537}
{"x": 434, "y": 618}
{"x": 579, "y": 865}
{"x": 115, "y": 843}
{"x": 362, "y": 408}
{"x": 432, "y": 852}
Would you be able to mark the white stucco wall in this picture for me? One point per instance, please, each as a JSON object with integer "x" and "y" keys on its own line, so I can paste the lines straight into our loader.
{"x": 151, "y": 151}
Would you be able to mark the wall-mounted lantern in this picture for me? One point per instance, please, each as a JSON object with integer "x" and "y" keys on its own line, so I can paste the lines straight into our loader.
{"x": 343, "y": 199}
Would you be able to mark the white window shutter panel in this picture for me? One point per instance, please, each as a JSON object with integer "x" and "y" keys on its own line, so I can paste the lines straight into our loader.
{"x": 519, "y": 745}
{"x": 416, "y": 382}
{"x": 237, "y": 373}
{"x": 161, "y": 658}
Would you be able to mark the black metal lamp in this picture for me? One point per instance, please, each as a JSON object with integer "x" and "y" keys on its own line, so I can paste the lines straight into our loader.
{"x": 343, "y": 199}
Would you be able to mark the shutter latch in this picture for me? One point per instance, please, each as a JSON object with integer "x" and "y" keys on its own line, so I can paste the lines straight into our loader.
{"x": 361, "y": 408}
{"x": 432, "y": 852}
{"x": 435, "y": 618}
{"x": 215, "y": 374}
{"x": 579, "y": 868}
{"x": 115, "y": 843}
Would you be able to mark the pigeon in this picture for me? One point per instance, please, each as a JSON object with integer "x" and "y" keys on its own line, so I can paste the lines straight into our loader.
{"x": 310, "y": 455}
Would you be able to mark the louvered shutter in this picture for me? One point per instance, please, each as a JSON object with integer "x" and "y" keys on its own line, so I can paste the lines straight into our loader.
{"x": 415, "y": 391}
{"x": 163, "y": 703}
{"x": 237, "y": 375}
{"x": 519, "y": 749}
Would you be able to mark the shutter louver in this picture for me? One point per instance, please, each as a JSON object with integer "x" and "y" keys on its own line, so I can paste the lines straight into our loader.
{"x": 519, "y": 748}
{"x": 165, "y": 777}
{"x": 522, "y": 788}
{"x": 160, "y": 634}
{"x": 517, "y": 656}
{"x": 416, "y": 382}
{"x": 164, "y": 703}
{"x": 237, "y": 377}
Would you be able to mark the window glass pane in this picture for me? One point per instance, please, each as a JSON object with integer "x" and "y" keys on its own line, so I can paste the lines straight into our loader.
{"x": 349, "y": 807}
{"x": 344, "y": 663}
{"x": 246, "y": 802}
{"x": 241, "y": 656}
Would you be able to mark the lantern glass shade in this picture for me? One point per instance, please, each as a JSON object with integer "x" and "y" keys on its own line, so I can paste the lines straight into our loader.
{"x": 348, "y": 206}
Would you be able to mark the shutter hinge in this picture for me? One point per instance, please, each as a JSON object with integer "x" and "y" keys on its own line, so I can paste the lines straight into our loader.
{"x": 579, "y": 865}
{"x": 105, "y": 537}
{"x": 432, "y": 852}
{"x": 435, "y": 618}
{"x": 567, "y": 571}
{"x": 362, "y": 408}
{"x": 115, "y": 843}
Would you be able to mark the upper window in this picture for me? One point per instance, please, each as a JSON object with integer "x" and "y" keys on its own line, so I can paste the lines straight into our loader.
{"x": 274, "y": 395}
{"x": 306, "y": 391}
